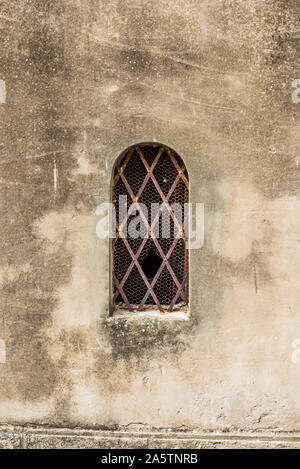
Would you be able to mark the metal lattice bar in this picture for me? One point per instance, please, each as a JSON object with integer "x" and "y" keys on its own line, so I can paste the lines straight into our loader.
{"x": 133, "y": 259}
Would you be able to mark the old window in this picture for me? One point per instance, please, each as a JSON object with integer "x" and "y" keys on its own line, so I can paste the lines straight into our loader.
{"x": 149, "y": 253}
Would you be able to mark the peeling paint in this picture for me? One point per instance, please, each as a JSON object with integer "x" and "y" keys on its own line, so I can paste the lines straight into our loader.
{"x": 2, "y": 92}
{"x": 2, "y": 351}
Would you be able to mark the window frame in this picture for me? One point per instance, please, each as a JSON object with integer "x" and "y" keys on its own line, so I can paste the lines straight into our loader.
{"x": 182, "y": 287}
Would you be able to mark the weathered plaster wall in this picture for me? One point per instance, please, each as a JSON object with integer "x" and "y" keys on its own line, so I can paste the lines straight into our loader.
{"x": 212, "y": 79}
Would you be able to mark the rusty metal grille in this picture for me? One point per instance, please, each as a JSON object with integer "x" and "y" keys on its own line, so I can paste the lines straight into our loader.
{"x": 150, "y": 272}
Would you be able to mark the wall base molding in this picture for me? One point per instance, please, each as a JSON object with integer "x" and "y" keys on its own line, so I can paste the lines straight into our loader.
{"x": 29, "y": 437}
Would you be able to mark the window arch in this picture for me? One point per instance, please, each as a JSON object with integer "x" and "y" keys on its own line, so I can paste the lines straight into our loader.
{"x": 149, "y": 253}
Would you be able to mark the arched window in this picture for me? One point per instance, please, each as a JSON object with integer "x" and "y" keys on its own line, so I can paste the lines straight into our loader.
{"x": 149, "y": 253}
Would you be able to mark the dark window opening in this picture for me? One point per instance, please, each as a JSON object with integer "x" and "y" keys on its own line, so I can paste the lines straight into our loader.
{"x": 151, "y": 264}
{"x": 150, "y": 272}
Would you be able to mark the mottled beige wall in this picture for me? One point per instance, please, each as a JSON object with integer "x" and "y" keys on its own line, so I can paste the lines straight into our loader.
{"x": 212, "y": 79}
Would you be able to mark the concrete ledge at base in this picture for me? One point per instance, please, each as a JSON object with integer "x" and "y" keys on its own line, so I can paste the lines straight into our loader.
{"x": 10, "y": 441}
{"x": 173, "y": 443}
{"x": 28, "y": 437}
{"x": 83, "y": 442}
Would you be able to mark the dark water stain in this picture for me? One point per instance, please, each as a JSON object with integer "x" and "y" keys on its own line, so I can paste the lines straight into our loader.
{"x": 38, "y": 133}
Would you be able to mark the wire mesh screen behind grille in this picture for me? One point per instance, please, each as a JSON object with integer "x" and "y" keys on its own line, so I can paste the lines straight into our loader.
{"x": 136, "y": 262}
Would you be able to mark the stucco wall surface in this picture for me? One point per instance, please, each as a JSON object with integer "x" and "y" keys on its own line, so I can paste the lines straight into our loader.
{"x": 85, "y": 79}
